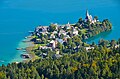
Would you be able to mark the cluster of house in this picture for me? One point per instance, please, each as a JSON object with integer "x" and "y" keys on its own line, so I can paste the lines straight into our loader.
{"x": 66, "y": 31}
{"x": 44, "y": 30}
{"x": 66, "y": 34}
{"x": 52, "y": 45}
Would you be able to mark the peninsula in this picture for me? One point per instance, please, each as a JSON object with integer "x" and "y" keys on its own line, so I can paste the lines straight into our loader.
{"x": 55, "y": 40}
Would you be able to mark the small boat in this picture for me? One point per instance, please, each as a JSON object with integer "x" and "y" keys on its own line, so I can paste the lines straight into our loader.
{"x": 19, "y": 48}
{"x": 24, "y": 50}
{"x": 25, "y": 56}
{"x": 30, "y": 31}
{"x": 26, "y": 37}
{"x": 25, "y": 41}
{"x": 29, "y": 36}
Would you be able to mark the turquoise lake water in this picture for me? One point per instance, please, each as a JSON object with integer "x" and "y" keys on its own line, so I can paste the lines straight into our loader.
{"x": 17, "y": 17}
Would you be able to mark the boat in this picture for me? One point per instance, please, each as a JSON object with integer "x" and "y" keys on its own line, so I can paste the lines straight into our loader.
{"x": 19, "y": 48}
{"x": 25, "y": 41}
{"x": 25, "y": 56}
{"x": 26, "y": 37}
{"x": 30, "y": 31}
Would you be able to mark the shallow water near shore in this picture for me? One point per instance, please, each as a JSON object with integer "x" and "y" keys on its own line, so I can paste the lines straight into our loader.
{"x": 17, "y": 17}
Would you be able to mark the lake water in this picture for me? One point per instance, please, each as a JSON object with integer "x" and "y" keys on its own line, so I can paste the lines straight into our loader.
{"x": 17, "y": 17}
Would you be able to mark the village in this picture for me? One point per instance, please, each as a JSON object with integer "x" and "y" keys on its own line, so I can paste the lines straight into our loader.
{"x": 59, "y": 34}
{"x": 67, "y": 38}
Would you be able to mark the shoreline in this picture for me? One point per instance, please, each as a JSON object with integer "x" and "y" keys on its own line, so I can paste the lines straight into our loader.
{"x": 28, "y": 49}
{"x": 21, "y": 45}
{"x": 26, "y": 46}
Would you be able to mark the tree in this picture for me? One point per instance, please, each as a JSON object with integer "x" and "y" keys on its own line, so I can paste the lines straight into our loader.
{"x": 60, "y": 46}
{"x": 96, "y": 17}
{"x": 76, "y": 40}
{"x": 80, "y": 20}
{"x": 52, "y": 27}
{"x": 106, "y": 24}
{"x": 61, "y": 36}
{"x": 42, "y": 76}
{"x": 113, "y": 43}
{"x": 2, "y": 75}
{"x": 103, "y": 42}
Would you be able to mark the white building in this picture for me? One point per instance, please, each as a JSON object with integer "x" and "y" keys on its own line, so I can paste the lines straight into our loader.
{"x": 89, "y": 48}
{"x": 117, "y": 46}
{"x": 68, "y": 25}
{"x": 90, "y": 18}
{"x": 62, "y": 32}
{"x": 75, "y": 32}
{"x": 52, "y": 44}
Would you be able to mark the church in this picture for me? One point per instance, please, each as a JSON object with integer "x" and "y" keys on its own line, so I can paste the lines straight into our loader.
{"x": 90, "y": 18}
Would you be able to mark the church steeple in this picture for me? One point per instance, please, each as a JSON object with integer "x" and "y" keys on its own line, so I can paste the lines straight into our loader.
{"x": 87, "y": 13}
{"x": 88, "y": 16}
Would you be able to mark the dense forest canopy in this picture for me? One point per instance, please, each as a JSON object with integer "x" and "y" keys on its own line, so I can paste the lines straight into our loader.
{"x": 100, "y": 63}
